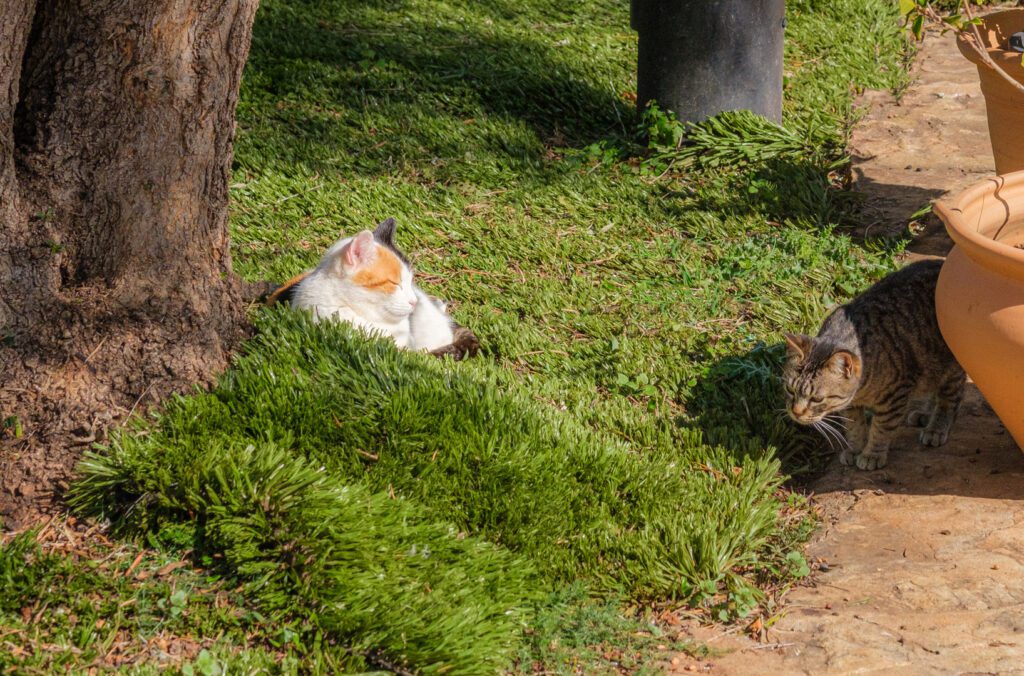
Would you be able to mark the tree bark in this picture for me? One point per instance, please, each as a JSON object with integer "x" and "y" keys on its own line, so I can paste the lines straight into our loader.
{"x": 116, "y": 123}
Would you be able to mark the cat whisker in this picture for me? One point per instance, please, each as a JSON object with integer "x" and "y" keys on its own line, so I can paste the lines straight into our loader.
{"x": 825, "y": 430}
{"x": 822, "y": 430}
{"x": 835, "y": 430}
{"x": 840, "y": 439}
{"x": 832, "y": 432}
{"x": 829, "y": 424}
{"x": 835, "y": 424}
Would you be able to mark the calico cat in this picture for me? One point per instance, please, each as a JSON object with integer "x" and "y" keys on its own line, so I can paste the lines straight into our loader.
{"x": 880, "y": 360}
{"x": 367, "y": 281}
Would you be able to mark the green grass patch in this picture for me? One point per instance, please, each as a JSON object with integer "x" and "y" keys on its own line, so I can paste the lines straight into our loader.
{"x": 368, "y": 569}
{"x": 80, "y": 603}
{"x": 451, "y": 438}
{"x": 621, "y": 433}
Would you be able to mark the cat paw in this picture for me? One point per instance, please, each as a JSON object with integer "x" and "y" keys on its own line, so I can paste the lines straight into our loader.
{"x": 848, "y": 457}
{"x": 934, "y": 437}
{"x": 465, "y": 344}
{"x": 870, "y": 461}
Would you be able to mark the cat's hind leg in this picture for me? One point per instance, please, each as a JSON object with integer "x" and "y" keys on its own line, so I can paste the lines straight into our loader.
{"x": 947, "y": 403}
{"x": 920, "y": 411}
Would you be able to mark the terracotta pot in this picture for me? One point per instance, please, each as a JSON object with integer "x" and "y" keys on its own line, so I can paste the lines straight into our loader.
{"x": 1005, "y": 105}
{"x": 980, "y": 296}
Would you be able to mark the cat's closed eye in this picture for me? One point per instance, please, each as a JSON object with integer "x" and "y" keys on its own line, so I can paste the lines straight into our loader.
{"x": 385, "y": 283}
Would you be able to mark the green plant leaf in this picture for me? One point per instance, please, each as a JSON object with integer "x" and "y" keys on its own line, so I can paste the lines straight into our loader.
{"x": 954, "y": 20}
{"x": 918, "y": 27}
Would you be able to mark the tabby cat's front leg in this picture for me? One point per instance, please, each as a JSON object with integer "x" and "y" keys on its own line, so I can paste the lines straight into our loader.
{"x": 856, "y": 435}
{"x": 887, "y": 417}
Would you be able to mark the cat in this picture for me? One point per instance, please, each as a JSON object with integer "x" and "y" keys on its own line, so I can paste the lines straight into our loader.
{"x": 880, "y": 360}
{"x": 367, "y": 281}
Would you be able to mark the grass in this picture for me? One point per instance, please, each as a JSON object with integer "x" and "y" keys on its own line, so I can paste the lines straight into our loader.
{"x": 71, "y": 599}
{"x": 618, "y": 446}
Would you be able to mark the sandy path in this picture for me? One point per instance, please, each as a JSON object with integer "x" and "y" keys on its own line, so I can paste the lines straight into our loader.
{"x": 925, "y": 557}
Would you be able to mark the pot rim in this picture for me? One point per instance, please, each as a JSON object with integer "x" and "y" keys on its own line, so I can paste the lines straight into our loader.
{"x": 994, "y": 255}
{"x": 1003, "y": 57}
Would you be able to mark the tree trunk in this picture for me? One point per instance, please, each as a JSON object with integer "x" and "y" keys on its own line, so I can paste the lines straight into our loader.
{"x": 116, "y": 122}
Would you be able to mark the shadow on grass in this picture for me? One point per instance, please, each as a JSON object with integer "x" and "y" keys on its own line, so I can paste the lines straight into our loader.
{"x": 786, "y": 189}
{"x": 739, "y": 405}
{"x": 416, "y": 86}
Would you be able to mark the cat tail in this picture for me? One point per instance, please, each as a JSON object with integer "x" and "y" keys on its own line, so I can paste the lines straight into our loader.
{"x": 284, "y": 293}
{"x": 465, "y": 344}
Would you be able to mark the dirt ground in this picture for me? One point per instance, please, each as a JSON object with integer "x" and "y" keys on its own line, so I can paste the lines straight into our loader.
{"x": 924, "y": 559}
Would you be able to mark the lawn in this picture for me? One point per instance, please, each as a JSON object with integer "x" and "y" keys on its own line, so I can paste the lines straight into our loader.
{"x": 618, "y": 448}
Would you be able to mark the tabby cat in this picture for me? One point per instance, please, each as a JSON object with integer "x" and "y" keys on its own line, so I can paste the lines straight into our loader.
{"x": 366, "y": 281}
{"x": 880, "y": 360}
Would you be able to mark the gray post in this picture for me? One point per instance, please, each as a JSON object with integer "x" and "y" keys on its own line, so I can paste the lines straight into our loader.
{"x": 700, "y": 57}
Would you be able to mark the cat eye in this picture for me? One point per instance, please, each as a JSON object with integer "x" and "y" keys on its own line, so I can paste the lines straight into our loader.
{"x": 385, "y": 282}
{"x": 816, "y": 400}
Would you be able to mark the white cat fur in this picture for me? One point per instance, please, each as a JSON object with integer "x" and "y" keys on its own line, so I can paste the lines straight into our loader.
{"x": 330, "y": 292}
{"x": 410, "y": 317}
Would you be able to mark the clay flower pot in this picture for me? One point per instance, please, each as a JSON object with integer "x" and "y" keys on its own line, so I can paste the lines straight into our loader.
{"x": 980, "y": 296}
{"x": 1004, "y": 104}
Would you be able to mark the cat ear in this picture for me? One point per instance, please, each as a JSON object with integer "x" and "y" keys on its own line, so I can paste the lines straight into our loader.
{"x": 797, "y": 345}
{"x": 845, "y": 364}
{"x": 385, "y": 232}
{"x": 360, "y": 250}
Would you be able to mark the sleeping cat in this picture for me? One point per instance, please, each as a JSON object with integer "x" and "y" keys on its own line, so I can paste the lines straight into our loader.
{"x": 880, "y": 360}
{"x": 365, "y": 280}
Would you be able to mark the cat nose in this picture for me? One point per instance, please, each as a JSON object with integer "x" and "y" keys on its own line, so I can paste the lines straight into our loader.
{"x": 799, "y": 410}
{"x": 413, "y": 300}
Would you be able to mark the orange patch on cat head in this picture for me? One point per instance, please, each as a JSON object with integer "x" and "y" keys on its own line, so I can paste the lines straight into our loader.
{"x": 383, "y": 273}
